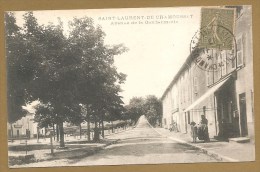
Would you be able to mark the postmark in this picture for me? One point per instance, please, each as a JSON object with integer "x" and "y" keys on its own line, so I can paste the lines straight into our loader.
{"x": 214, "y": 45}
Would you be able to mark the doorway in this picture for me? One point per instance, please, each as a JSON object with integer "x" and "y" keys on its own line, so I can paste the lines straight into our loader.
{"x": 186, "y": 125}
{"x": 226, "y": 108}
{"x": 243, "y": 116}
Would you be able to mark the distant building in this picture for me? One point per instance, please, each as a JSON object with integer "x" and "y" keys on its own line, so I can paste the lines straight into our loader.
{"x": 24, "y": 127}
{"x": 225, "y": 96}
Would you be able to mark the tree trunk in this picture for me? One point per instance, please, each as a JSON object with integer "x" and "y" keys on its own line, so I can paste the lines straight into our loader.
{"x": 103, "y": 129}
{"x": 58, "y": 132}
{"x": 54, "y": 133}
{"x": 61, "y": 133}
{"x": 45, "y": 133}
{"x": 88, "y": 132}
{"x": 51, "y": 143}
{"x": 80, "y": 131}
{"x": 12, "y": 132}
{"x": 112, "y": 127}
{"x": 96, "y": 133}
{"x": 88, "y": 121}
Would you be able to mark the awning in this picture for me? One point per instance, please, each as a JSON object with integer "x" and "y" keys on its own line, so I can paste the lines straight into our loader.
{"x": 207, "y": 94}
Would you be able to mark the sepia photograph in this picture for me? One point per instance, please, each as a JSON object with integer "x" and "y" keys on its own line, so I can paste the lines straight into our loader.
{"x": 121, "y": 86}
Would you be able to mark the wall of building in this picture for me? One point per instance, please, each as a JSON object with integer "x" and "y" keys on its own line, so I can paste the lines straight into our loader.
{"x": 244, "y": 82}
{"x": 166, "y": 104}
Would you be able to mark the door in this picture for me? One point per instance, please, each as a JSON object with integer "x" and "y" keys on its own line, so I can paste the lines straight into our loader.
{"x": 186, "y": 125}
{"x": 243, "y": 116}
{"x": 17, "y": 133}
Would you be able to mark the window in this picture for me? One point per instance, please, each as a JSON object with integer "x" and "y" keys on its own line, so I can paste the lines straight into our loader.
{"x": 195, "y": 85}
{"x": 184, "y": 91}
{"x": 189, "y": 88}
{"x": 179, "y": 89}
{"x": 218, "y": 59}
{"x": 233, "y": 65}
{"x": 240, "y": 57}
{"x": 239, "y": 10}
{"x": 208, "y": 77}
{"x": 223, "y": 63}
{"x": 172, "y": 98}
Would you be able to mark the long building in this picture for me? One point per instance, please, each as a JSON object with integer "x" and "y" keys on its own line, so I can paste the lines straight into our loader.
{"x": 224, "y": 96}
{"x": 25, "y": 127}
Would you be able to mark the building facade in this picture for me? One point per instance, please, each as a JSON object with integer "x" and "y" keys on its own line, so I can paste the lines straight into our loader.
{"x": 25, "y": 127}
{"x": 224, "y": 96}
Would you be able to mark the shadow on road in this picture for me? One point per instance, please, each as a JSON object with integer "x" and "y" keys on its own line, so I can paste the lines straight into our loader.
{"x": 137, "y": 147}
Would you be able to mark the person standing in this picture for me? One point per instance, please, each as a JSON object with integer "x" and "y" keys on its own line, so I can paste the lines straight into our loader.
{"x": 204, "y": 128}
{"x": 204, "y": 120}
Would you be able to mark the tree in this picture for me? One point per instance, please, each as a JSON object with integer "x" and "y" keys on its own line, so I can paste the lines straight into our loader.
{"x": 64, "y": 71}
{"x": 44, "y": 115}
{"x": 153, "y": 109}
{"x": 47, "y": 45}
{"x": 136, "y": 108}
{"x": 150, "y": 107}
{"x": 18, "y": 73}
{"x": 98, "y": 82}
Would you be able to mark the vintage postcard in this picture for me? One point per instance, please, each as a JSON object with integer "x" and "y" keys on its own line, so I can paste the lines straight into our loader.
{"x": 130, "y": 86}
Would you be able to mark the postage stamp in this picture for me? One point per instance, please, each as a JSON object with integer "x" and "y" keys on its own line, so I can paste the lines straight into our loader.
{"x": 215, "y": 39}
{"x": 217, "y": 27}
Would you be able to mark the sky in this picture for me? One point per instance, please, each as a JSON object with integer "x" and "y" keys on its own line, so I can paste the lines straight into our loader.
{"x": 157, "y": 49}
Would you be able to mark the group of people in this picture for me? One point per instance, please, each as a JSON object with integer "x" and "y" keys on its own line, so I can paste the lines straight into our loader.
{"x": 173, "y": 127}
{"x": 200, "y": 130}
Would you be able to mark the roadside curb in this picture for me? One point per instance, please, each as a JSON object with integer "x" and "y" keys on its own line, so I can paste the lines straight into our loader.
{"x": 213, "y": 154}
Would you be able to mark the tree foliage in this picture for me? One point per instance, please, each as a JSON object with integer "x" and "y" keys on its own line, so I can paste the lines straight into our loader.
{"x": 135, "y": 108}
{"x": 19, "y": 73}
{"x": 153, "y": 109}
{"x": 62, "y": 71}
{"x": 149, "y": 106}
